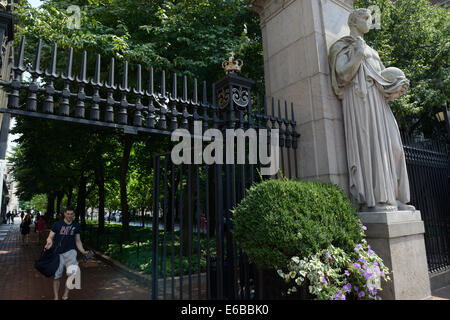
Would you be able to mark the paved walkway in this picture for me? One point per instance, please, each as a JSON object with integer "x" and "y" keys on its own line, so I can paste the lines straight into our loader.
{"x": 20, "y": 281}
{"x": 99, "y": 281}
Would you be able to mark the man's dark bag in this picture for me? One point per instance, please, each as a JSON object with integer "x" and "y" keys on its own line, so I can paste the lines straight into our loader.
{"x": 48, "y": 263}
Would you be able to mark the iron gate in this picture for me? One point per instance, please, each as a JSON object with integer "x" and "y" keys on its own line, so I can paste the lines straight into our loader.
{"x": 202, "y": 265}
{"x": 429, "y": 178}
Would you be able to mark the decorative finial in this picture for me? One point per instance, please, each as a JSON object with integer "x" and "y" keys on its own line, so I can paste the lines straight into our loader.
{"x": 232, "y": 66}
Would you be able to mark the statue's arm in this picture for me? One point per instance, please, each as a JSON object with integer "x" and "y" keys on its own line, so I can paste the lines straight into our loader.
{"x": 346, "y": 67}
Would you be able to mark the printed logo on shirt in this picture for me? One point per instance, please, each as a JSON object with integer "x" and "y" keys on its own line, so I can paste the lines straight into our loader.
{"x": 65, "y": 231}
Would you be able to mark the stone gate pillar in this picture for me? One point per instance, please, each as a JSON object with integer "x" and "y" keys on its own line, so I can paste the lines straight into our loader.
{"x": 296, "y": 37}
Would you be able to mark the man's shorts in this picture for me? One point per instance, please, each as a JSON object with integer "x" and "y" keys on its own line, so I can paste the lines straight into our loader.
{"x": 66, "y": 259}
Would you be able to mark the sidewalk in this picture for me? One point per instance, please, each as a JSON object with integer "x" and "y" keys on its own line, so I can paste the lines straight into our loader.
{"x": 99, "y": 281}
{"x": 20, "y": 281}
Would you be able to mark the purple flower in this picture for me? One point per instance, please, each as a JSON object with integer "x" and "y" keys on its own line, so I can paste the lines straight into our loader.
{"x": 357, "y": 248}
{"x": 347, "y": 287}
{"x": 329, "y": 255}
{"x": 357, "y": 266}
{"x": 355, "y": 288}
{"x": 375, "y": 263}
{"x": 339, "y": 296}
{"x": 363, "y": 227}
{"x": 361, "y": 294}
{"x": 371, "y": 251}
{"x": 323, "y": 279}
{"x": 347, "y": 273}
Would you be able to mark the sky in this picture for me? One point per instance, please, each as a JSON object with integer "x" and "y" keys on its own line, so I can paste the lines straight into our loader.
{"x": 35, "y": 3}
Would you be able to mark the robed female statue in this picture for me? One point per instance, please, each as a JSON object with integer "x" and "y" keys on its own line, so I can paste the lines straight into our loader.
{"x": 375, "y": 157}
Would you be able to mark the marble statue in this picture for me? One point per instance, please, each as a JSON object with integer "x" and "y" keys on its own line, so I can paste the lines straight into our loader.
{"x": 375, "y": 157}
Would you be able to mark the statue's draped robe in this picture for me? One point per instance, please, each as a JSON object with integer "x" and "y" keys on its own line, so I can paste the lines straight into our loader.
{"x": 375, "y": 156}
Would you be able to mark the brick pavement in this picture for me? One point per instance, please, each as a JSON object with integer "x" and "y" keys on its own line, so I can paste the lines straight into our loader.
{"x": 20, "y": 281}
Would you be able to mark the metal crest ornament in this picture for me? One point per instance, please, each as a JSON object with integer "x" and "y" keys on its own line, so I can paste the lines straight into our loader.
{"x": 232, "y": 65}
{"x": 240, "y": 96}
{"x": 223, "y": 98}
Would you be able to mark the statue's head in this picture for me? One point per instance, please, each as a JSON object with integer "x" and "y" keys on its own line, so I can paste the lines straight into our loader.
{"x": 360, "y": 19}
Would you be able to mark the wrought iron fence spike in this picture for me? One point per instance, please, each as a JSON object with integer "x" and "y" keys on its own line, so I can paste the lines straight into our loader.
{"x": 52, "y": 71}
{"x": 110, "y": 84}
{"x": 124, "y": 86}
{"x": 163, "y": 83}
{"x": 174, "y": 86}
{"x": 195, "y": 92}
{"x": 68, "y": 74}
{"x": 82, "y": 77}
{"x": 151, "y": 86}
{"x": 205, "y": 95}
{"x": 37, "y": 58}
{"x": 292, "y": 113}
{"x": 138, "y": 89}
{"x": 97, "y": 71}
{"x": 19, "y": 60}
{"x": 185, "y": 88}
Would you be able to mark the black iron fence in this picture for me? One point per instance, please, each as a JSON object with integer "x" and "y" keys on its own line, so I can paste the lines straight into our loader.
{"x": 187, "y": 197}
{"x": 62, "y": 95}
{"x": 428, "y": 167}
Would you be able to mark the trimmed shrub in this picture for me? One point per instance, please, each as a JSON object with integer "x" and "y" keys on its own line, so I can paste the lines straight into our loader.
{"x": 279, "y": 219}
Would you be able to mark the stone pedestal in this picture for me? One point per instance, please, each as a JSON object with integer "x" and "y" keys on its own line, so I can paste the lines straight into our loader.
{"x": 398, "y": 238}
{"x": 296, "y": 37}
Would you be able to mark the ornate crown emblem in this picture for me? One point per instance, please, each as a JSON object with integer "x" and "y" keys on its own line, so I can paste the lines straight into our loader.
{"x": 232, "y": 66}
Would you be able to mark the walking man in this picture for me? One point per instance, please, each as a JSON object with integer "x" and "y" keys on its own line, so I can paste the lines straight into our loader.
{"x": 65, "y": 236}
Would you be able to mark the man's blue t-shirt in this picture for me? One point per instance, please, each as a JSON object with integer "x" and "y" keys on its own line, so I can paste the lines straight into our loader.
{"x": 65, "y": 235}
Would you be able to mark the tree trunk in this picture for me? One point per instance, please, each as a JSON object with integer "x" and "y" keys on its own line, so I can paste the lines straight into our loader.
{"x": 128, "y": 143}
{"x": 143, "y": 217}
{"x": 171, "y": 208}
{"x": 100, "y": 181}
{"x": 69, "y": 197}
{"x": 50, "y": 205}
{"x": 80, "y": 212}
{"x": 58, "y": 202}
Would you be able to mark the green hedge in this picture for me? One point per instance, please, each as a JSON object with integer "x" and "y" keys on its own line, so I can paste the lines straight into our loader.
{"x": 282, "y": 218}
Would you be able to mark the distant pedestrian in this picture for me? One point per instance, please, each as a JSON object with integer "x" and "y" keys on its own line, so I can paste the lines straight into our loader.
{"x": 40, "y": 226}
{"x": 8, "y": 217}
{"x": 21, "y": 216}
{"x": 25, "y": 229}
{"x": 203, "y": 224}
{"x": 65, "y": 236}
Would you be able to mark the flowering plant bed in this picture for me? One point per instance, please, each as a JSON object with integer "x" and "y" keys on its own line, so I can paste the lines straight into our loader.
{"x": 334, "y": 274}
